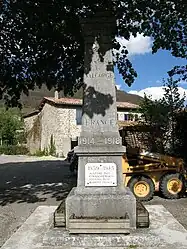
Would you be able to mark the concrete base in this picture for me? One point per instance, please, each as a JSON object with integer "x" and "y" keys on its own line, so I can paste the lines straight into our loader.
{"x": 85, "y": 207}
{"x": 101, "y": 226}
{"x": 37, "y": 232}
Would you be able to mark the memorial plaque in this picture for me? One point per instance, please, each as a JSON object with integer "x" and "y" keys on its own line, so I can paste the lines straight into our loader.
{"x": 100, "y": 175}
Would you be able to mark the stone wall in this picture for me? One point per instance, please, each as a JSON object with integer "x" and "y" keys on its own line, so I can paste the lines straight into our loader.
{"x": 33, "y": 131}
{"x": 59, "y": 122}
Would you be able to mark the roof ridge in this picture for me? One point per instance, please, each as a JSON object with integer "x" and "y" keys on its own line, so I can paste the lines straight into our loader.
{"x": 80, "y": 100}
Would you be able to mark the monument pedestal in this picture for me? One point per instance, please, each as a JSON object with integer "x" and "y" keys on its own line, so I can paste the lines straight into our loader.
{"x": 100, "y": 210}
{"x": 100, "y": 204}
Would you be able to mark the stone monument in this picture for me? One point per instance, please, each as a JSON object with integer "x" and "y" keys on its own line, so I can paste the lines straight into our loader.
{"x": 100, "y": 203}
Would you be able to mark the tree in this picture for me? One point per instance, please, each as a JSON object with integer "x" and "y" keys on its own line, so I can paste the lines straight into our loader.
{"x": 41, "y": 41}
{"x": 181, "y": 135}
{"x": 163, "y": 116}
{"x": 155, "y": 115}
{"x": 175, "y": 105}
{"x": 10, "y": 123}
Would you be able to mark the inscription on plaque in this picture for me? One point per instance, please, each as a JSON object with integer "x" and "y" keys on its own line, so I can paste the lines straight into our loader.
{"x": 99, "y": 122}
{"x": 113, "y": 140}
{"x": 100, "y": 175}
{"x": 86, "y": 140}
{"x": 99, "y": 75}
{"x": 106, "y": 141}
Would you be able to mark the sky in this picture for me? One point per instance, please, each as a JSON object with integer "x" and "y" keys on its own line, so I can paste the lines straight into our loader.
{"x": 151, "y": 68}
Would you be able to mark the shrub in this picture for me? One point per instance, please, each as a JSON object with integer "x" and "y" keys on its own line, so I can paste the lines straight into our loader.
{"x": 50, "y": 151}
{"x": 40, "y": 153}
{"x": 52, "y": 148}
{"x": 14, "y": 150}
{"x": 11, "y": 127}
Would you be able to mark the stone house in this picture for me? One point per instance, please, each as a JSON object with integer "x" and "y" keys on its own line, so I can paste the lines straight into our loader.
{"x": 59, "y": 119}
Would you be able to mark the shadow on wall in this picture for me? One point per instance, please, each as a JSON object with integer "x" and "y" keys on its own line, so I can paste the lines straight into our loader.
{"x": 33, "y": 182}
{"x": 101, "y": 47}
{"x": 96, "y": 102}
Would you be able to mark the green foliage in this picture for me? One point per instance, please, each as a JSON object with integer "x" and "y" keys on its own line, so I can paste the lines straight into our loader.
{"x": 162, "y": 116}
{"x": 42, "y": 43}
{"x": 41, "y": 153}
{"x": 50, "y": 151}
{"x": 181, "y": 135}
{"x": 172, "y": 97}
{"x": 13, "y": 150}
{"x": 155, "y": 114}
{"x": 175, "y": 104}
{"x": 52, "y": 148}
{"x": 11, "y": 124}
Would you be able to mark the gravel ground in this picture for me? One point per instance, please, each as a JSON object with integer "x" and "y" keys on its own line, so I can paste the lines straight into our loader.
{"x": 28, "y": 182}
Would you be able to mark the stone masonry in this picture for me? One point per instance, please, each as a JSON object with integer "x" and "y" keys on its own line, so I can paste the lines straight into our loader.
{"x": 100, "y": 203}
{"x": 60, "y": 121}
{"x": 53, "y": 121}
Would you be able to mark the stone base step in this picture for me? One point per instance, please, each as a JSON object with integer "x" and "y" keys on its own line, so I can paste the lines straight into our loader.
{"x": 142, "y": 220}
{"x": 99, "y": 231}
{"x": 59, "y": 216}
{"x": 142, "y": 216}
{"x": 99, "y": 226}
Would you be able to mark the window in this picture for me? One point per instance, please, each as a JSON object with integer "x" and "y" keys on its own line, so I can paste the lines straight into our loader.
{"x": 79, "y": 116}
{"x": 129, "y": 117}
{"x": 126, "y": 117}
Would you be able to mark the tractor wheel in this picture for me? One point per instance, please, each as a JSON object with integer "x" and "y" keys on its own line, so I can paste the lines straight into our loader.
{"x": 142, "y": 187}
{"x": 73, "y": 164}
{"x": 72, "y": 167}
{"x": 171, "y": 186}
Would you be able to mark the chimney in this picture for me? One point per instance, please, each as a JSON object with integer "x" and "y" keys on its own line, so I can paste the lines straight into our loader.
{"x": 56, "y": 95}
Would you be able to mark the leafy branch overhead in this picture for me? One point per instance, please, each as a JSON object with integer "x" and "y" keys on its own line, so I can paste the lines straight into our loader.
{"x": 41, "y": 41}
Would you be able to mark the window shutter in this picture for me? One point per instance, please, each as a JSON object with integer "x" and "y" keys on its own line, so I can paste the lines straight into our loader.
{"x": 79, "y": 116}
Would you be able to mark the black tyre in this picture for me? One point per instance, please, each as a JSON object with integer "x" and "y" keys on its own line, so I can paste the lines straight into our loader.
{"x": 172, "y": 186}
{"x": 72, "y": 167}
{"x": 142, "y": 187}
{"x": 73, "y": 163}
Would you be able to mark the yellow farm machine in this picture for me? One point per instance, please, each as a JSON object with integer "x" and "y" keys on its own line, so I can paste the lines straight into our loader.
{"x": 144, "y": 172}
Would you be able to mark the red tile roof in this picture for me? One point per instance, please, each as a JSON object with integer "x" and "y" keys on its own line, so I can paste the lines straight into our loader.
{"x": 76, "y": 102}
{"x": 64, "y": 101}
{"x": 127, "y": 105}
{"x": 71, "y": 101}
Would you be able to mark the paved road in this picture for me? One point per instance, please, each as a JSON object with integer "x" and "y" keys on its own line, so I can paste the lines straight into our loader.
{"x": 27, "y": 182}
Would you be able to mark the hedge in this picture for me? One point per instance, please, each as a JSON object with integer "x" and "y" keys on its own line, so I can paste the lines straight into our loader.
{"x": 13, "y": 150}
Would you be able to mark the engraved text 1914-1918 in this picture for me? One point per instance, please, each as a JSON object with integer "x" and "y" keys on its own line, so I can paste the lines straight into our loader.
{"x": 105, "y": 141}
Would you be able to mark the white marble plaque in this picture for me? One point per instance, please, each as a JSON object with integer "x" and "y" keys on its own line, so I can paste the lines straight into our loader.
{"x": 100, "y": 174}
